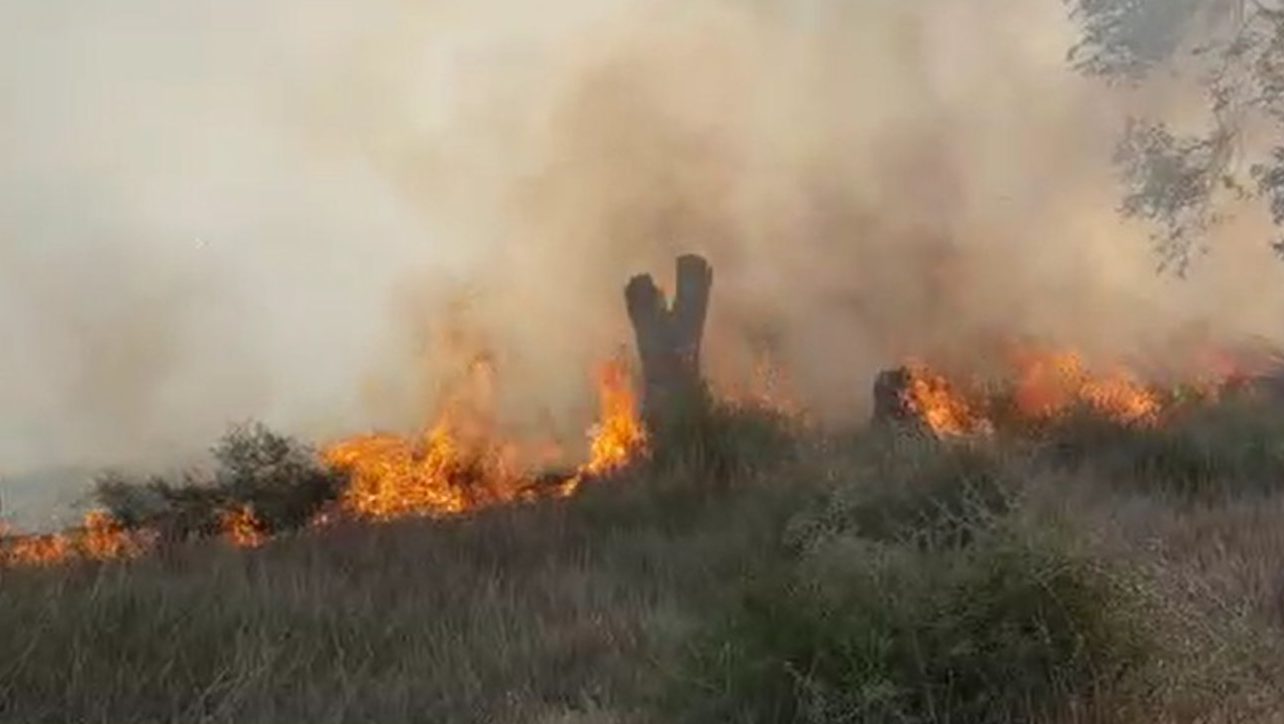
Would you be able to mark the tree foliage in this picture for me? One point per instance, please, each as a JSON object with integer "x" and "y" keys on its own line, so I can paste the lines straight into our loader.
{"x": 1232, "y": 51}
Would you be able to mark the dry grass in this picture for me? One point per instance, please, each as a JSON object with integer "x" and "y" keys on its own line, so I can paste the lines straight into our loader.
{"x": 604, "y": 608}
{"x": 567, "y": 612}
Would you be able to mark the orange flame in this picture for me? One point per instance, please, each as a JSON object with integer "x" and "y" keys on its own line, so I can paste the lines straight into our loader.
{"x": 1043, "y": 385}
{"x": 457, "y": 466}
{"x": 619, "y": 436}
{"x": 242, "y": 528}
{"x": 103, "y": 538}
{"x": 1048, "y": 384}
{"x": 453, "y": 467}
{"x": 100, "y": 538}
{"x": 942, "y": 406}
{"x": 393, "y": 477}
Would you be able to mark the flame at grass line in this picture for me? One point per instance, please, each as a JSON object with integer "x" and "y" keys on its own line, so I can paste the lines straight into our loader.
{"x": 1049, "y": 384}
{"x": 458, "y": 465}
{"x": 1040, "y": 385}
{"x": 100, "y": 538}
{"x": 619, "y": 436}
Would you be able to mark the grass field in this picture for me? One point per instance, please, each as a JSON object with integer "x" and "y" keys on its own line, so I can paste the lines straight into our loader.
{"x": 756, "y": 573}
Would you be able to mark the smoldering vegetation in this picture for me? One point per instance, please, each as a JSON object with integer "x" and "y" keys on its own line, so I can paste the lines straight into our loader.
{"x": 759, "y": 571}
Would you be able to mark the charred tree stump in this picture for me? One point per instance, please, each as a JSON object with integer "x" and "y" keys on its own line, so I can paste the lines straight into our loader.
{"x": 669, "y": 338}
{"x": 892, "y": 402}
{"x": 894, "y": 407}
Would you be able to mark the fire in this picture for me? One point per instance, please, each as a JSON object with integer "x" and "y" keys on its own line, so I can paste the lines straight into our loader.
{"x": 100, "y": 538}
{"x": 1048, "y": 384}
{"x": 1040, "y": 385}
{"x": 38, "y": 550}
{"x": 439, "y": 474}
{"x": 103, "y": 538}
{"x": 454, "y": 466}
{"x": 242, "y": 528}
{"x": 941, "y": 405}
{"x": 458, "y": 466}
{"x": 619, "y": 436}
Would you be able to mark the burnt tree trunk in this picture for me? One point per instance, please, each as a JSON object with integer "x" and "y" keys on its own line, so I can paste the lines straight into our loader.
{"x": 893, "y": 404}
{"x": 669, "y": 337}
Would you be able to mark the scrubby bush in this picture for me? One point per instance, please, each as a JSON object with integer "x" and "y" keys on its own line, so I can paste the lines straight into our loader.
{"x": 922, "y": 591}
{"x": 719, "y": 441}
{"x": 993, "y": 632}
{"x": 278, "y": 477}
{"x": 1013, "y": 626}
{"x": 275, "y": 476}
{"x": 906, "y": 488}
{"x": 1200, "y": 453}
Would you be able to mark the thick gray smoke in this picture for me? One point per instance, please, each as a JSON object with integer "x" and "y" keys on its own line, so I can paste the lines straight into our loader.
{"x": 309, "y": 214}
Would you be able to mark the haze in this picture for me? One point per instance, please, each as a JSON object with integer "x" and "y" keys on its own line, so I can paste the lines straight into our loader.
{"x": 308, "y": 214}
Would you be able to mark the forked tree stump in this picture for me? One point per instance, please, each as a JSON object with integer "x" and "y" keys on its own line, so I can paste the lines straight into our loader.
{"x": 669, "y": 337}
{"x": 892, "y": 401}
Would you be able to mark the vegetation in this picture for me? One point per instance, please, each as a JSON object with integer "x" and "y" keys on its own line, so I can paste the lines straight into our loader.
{"x": 276, "y": 477}
{"x": 1231, "y": 52}
{"x": 844, "y": 578}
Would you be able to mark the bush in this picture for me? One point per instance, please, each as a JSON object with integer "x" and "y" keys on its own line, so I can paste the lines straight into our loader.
{"x": 279, "y": 479}
{"x": 1012, "y": 626}
{"x": 276, "y": 476}
{"x": 910, "y": 488}
{"x": 922, "y": 591}
{"x": 721, "y": 442}
{"x": 1205, "y": 453}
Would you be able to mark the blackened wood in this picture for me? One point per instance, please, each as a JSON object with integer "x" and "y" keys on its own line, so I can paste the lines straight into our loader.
{"x": 669, "y": 339}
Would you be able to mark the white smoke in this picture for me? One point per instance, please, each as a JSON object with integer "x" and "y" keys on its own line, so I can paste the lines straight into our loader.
{"x": 212, "y": 211}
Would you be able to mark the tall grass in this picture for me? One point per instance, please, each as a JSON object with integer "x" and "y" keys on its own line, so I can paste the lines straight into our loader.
{"x": 752, "y": 571}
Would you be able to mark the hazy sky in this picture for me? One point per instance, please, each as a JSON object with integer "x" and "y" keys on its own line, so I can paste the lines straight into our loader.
{"x": 212, "y": 210}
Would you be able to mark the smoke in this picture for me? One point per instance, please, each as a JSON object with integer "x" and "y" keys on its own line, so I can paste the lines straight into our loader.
{"x": 311, "y": 213}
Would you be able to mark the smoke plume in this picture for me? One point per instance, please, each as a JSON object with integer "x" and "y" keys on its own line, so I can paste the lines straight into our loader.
{"x": 313, "y": 214}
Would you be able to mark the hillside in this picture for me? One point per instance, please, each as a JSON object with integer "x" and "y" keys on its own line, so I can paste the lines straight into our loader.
{"x": 758, "y": 571}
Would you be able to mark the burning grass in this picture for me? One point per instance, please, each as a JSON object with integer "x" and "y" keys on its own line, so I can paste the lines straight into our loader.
{"x": 100, "y": 537}
{"x": 460, "y": 465}
{"x": 876, "y": 579}
{"x": 265, "y": 484}
{"x": 1037, "y": 386}
{"x": 744, "y": 567}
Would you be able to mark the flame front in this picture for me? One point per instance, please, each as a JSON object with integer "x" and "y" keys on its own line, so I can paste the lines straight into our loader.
{"x": 1048, "y": 384}
{"x": 100, "y": 538}
{"x": 1039, "y": 385}
{"x": 393, "y": 477}
{"x": 458, "y": 466}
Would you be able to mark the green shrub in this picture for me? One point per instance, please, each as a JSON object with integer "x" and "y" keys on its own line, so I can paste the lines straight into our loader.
{"x": 279, "y": 479}
{"x": 921, "y": 590}
{"x": 1013, "y": 626}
